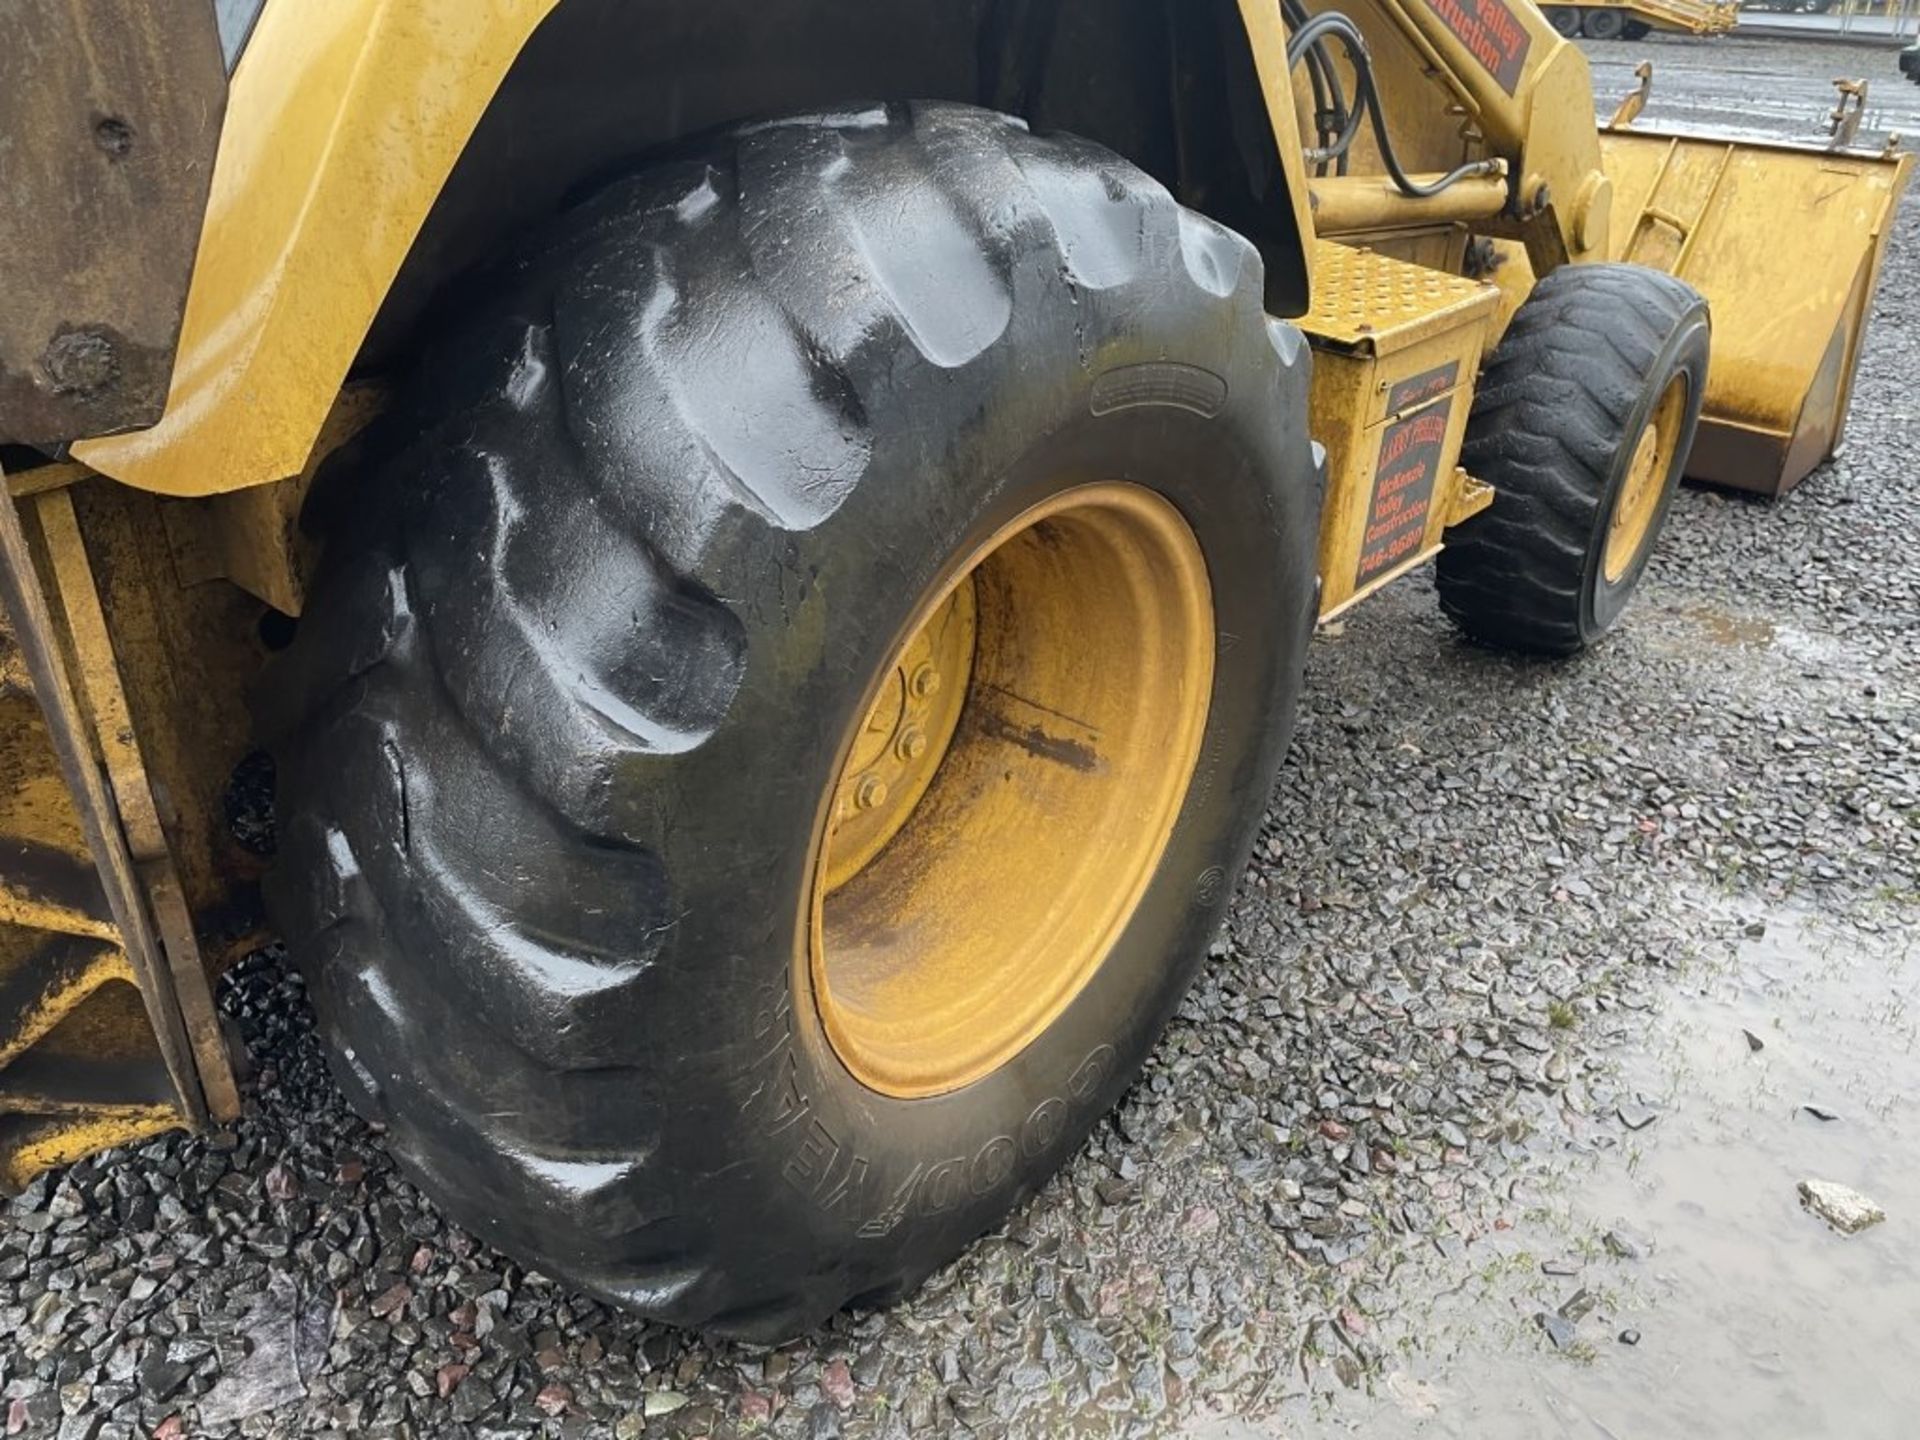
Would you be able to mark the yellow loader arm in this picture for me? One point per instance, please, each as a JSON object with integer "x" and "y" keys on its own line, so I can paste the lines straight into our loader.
{"x": 1785, "y": 241}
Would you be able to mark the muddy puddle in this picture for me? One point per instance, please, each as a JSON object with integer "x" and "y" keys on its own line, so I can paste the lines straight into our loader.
{"x": 1658, "y": 1276}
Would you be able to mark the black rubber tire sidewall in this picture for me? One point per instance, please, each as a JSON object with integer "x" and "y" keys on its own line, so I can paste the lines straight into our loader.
{"x": 672, "y": 1132}
{"x": 812, "y": 1125}
{"x": 1685, "y": 353}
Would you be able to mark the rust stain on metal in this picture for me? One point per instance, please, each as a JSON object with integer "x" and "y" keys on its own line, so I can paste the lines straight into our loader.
{"x": 1074, "y": 754}
{"x": 111, "y": 111}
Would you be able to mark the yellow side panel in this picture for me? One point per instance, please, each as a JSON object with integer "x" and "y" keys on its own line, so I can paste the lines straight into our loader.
{"x": 1396, "y": 348}
{"x": 344, "y": 120}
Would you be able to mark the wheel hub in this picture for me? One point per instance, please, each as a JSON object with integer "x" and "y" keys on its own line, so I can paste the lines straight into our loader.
{"x": 1007, "y": 795}
{"x": 899, "y": 746}
{"x": 1646, "y": 482}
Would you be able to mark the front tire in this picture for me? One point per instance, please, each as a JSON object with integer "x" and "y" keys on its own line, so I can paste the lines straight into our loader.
{"x": 1566, "y": 20}
{"x": 569, "y": 733}
{"x": 1582, "y": 424}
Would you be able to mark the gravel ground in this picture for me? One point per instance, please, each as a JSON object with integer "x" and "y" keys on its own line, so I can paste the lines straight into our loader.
{"x": 1478, "y": 884}
{"x": 1764, "y": 87}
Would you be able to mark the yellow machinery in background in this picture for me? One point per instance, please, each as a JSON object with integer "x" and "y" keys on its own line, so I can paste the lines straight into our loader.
{"x": 254, "y": 253}
{"x": 1636, "y": 19}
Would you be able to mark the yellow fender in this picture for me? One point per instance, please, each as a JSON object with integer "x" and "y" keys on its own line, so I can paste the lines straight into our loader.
{"x": 344, "y": 121}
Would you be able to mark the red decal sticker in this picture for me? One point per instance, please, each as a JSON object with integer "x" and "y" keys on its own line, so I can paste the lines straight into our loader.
{"x": 1492, "y": 34}
{"x": 1410, "y": 454}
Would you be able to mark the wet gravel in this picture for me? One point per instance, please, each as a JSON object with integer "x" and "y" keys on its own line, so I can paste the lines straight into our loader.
{"x": 1478, "y": 879}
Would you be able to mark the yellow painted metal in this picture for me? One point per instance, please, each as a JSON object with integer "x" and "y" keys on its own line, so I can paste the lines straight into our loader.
{"x": 904, "y": 738}
{"x": 98, "y": 674}
{"x": 1359, "y": 204}
{"x": 1478, "y": 79}
{"x": 29, "y": 1146}
{"x": 47, "y": 877}
{"x": 70, "y": 748}
{"x": 1786, "y": 243}
{"x": 1267, "y": 38}
{"x": 343, "y": 121}
{"x": 84, "y": 1072}
{"x": 995, "y": 901}
{"x": 92, "y": 1047}
{"x": 184, "y": 656}
{"x": 43, "y": 478}
{"x": 253, "y": 536}
{"x": 46, "y": 977}
{"x": 1630, "y": 106}
{"x": 1396, "y": 349}
{"x": 1683, "y": 17}
{"x": 1639, "y": 498}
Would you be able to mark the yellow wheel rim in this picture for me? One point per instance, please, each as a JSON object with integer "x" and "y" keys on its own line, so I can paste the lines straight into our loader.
{"x": 1646, "y": 482}
{"x": 1006, "y": 798}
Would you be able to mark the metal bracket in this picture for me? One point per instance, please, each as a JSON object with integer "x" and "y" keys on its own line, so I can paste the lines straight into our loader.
{"x": 129, "y": 919}
{"x": 1843, "y": 122}
{"x": 1630, "y": 108}
{"x": 1470, "y": 497}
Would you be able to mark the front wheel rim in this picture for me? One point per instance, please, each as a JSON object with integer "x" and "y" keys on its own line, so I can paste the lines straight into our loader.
{"x": 1645, "y": 485}
{"x": 1031, "y": 834}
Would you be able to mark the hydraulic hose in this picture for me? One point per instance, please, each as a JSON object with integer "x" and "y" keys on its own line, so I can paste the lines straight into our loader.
{"x": 1334, "y": 125}
{"x": 1333, "y": 25}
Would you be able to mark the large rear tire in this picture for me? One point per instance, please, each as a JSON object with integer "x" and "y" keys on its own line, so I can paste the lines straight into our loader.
{"x": 1582, "y": 424}
{"x": 627, "y": 611}
{"x": 1566, "y": 20}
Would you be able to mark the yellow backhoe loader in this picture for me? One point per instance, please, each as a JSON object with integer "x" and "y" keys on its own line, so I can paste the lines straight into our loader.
{"x": 763, "y": 554}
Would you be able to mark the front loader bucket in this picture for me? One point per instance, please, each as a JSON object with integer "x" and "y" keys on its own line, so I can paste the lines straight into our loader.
{"x": 1786, "y": 243}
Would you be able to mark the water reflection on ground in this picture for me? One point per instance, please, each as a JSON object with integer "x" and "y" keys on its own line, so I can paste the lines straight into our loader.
{"x": 1747, "y": 1315}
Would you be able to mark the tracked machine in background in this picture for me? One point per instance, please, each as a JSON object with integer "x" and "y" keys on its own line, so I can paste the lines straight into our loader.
{"x": 769, "y": 612}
